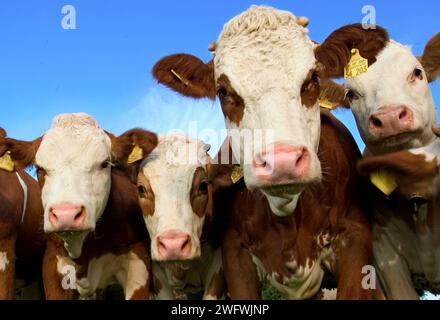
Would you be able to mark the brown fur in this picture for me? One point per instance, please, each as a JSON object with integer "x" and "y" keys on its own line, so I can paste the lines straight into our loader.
{"x": 22, "y": 152}
{"x": 123, "y": 145}
{"x": 431, "y": 58}
{"x": 146, "y": 201}
{"x": 413, "y": 174}
{"x": 333, "y": 92}
{"x": 335, "y": 52}
{"x": 338, "y": 210}
{"x": 200, "y": 75}
{"x": 232, "y": 104}
{"x": 198, "y": 197}
{"x": 217, "y": 285}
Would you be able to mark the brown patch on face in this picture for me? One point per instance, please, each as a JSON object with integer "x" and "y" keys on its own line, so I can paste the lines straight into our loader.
{"x": 310, "y": 89}
{"x": 217, "y": 285}
{"x": 41, "y": 176}
{"x": 199, "y": 192}
{"x": 232, "y": 104}
{"x": 335, "y": 51}
{"x": 145, "y": 195}
{"x": 414, "y": 174}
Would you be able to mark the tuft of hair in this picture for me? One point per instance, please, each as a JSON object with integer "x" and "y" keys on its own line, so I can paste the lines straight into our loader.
{"x": 2, "y": 133}
{"x": 335, "y": 51}
{"x": 78, "y": 120}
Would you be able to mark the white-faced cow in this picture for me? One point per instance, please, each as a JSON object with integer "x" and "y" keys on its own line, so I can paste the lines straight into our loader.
{"x": 394, "y": 111}
{"x": 298, "y": 211}
{"x": 407, "y": 223}
{"x": 97, "y": 236}
{"x": 175, "y": 195}
{"x": 391, "y": 101}
{"x": 21, "y": 237}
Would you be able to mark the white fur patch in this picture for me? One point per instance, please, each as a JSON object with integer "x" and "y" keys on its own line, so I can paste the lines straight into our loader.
{"x": 72, "y": 152}
{"x": 170, "y": 170}
{"x": 4, "y": 261}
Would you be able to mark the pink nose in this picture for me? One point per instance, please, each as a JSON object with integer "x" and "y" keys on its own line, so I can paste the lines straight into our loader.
{"x": 174, "y": 246}
{"x": 389, "y": 121}
{"x": 65, "y": 217}
{"x": 283, "y": 164}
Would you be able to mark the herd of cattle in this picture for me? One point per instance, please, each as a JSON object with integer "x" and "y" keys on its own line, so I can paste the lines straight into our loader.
{"x": 306, "y": 211}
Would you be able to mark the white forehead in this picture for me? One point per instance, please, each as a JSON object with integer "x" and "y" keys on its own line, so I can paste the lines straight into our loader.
{"x": 395, "y": 61}
{"x": 74, "y": 139}
{"x": 264, "y": 48}
{"x": 176, "y": 156}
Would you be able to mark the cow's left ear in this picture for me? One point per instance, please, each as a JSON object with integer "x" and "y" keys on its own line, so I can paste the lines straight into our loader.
{"x": 333, "y": 94}
{"x": 133, "y": 146}
{"x": 431, "y": 58}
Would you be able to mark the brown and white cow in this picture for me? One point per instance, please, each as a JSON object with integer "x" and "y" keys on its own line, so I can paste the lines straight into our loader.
{"x": 97, "y": 236}
{"x": 407, "y": 223}
{"x": 21, "y": 237}
{"x": 297, "y": 212}
{"x": 394, "y": 111}
{"x": 391, "y": 101}
{"x": 175, "y": 195}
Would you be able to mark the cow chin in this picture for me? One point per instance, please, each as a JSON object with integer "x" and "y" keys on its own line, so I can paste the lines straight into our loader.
{"x": 398, "y": 142}
{"x": 73, "y": 242}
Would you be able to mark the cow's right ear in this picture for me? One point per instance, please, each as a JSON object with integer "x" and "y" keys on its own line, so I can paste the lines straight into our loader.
{"x": 335, "y": 52}
{"x": 431, "y": 58}
{"x": 333, "y": 93}
{"x": 17, "y": 155}
{"x": 133, "y": 146}
{"x": 187, "y": 75}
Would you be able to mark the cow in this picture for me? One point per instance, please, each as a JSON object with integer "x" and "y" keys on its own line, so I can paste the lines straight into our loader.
{"x": 175, "y": 195}
{"x": 96, "y": 236}
{"x": 297, "y": 211}
{"x": 394, "y": 112}
{"x": 391, "y": 101}
{"x": 406, "y": 229}
{"x": 21, "y": 239}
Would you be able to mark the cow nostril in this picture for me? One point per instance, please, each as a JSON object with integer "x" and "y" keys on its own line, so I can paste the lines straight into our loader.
{"x": 78, "y": 215}
{"x": 403, "y": 114}
{"x": 53, "y": 217}
{"x": 184, "y": 244}
{"x": 376, "y": 122}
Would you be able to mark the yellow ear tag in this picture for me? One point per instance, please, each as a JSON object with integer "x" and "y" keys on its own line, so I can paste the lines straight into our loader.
{"x": 135, "y": 155}
{"x": 325, "y": 103}
{"x": 6, "y": 162}
{"x": 356, "y": 66}
{"x": 180, "y": 77}
{"x": 384, "y": 181}
{"x": 237, "y": 174}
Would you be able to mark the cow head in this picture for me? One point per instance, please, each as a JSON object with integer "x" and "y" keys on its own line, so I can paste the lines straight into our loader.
{"x": 74, "y": 161}
{"x": 267, "y": 79}
{"x": 175, "y": 196}
{"x": 391, "y": 102}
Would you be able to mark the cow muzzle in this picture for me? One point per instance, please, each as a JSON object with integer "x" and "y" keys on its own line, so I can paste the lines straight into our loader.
{"x": 67, "y": 217}
{"x": 282, "y": 164}
{"x": 391, "y": 121}
{"x": 174, "y": 246}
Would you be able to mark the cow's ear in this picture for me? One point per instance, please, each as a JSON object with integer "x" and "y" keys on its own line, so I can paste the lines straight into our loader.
{"x": 333, "y": 94}
{"x": 133, "y": 146}
{"x": 335, "y": 52}
{"x": 16, "y": 155}
{"x": 187, "y": 75}
{"x": 2, "y": 133}
{"x": 431, "y": 58}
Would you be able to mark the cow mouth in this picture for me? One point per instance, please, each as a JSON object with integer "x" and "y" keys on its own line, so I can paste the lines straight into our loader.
{"x": 397, "y": 140}
{"x": 287, "y": 189}
{"x": 73, "y": 241}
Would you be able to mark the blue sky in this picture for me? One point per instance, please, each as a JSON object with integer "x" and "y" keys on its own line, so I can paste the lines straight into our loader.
{"x": 103, "y": 67}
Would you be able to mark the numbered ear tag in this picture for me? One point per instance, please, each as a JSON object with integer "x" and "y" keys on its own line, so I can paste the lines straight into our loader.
{"x": 325, "y": 103}
{"x": 384, "y": 181}
{"x": 356, "y": 66}
{"x": 6, "y": 162}
{"x": 135, "y": 155}
{"x": 237, "y": 174}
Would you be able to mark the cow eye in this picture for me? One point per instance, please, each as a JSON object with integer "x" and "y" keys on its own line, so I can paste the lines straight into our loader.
{"x": 417, "y": 74}
{"x": 315, "y": 77}
{"x": 142, "y": 190}
{"x": 104, "y": 165}
{"x": 222, "y": 92}
{"x": 351, "y": 95}
{"x": 203, "y": 187}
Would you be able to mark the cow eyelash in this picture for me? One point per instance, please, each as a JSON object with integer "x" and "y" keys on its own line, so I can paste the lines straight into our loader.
{"x": 222, "y": 92}
{"x": 203, "y": 187}
{"x": 351, "y": 95}
{"x": 142, "y": 190}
